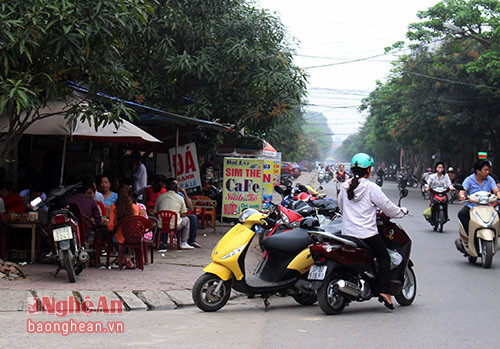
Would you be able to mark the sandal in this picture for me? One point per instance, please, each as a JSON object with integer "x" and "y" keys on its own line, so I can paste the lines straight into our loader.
{"x": 129, "y": 264}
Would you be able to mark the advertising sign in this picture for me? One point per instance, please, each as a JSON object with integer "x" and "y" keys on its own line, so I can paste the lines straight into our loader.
{"x": 242, "y": 185}
{"x": 272, "y": 169}
{"x": 188, "y": 171}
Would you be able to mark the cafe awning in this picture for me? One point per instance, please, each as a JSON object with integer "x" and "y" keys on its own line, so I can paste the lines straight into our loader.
{"x": 156, "y": 116}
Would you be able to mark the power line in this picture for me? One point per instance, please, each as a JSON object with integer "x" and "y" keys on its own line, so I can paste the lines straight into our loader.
{"x": 451, "y": 81}
{"x": 367, "y": 58}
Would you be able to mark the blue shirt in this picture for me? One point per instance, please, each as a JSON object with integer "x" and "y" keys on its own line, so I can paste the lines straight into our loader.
{"x": 471, "y": 186}
{"x": 111, "y": 199}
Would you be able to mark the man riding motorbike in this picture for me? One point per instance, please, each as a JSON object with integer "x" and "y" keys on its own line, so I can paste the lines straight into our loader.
{"x": 480, "y": 180}
{"x": 358, "y": 201}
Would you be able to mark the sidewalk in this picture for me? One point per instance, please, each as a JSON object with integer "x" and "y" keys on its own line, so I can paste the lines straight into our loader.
{"x": 165, "y": 284}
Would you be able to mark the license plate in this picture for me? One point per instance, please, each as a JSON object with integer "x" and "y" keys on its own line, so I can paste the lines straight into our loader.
{"x": 64, "y": 233}
{"x": 317, "y": 272}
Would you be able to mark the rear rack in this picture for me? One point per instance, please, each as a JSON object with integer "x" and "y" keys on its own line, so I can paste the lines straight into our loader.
{"x": 327, "y": 235}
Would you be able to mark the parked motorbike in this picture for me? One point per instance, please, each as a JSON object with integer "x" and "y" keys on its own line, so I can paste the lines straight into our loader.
{"x": 439, "y": 208}
{"x": 64, "y": 231}
{"x": 344, "y": 270}
{"x": 482, "y": 239}
{"x": 282, "y": 270}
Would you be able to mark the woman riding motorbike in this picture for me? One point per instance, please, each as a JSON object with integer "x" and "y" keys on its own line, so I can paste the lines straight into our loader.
{"x": 439, "y": 179}
{"x": 358, "y": 201}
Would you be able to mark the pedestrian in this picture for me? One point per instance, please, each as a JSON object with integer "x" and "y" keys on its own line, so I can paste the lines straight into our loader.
{"x": 139, "y": 174}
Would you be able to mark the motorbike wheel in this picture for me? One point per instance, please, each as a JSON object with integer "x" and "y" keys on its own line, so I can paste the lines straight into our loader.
{"x": 472, "y": 260}
{"x": 68, "y": 265}
{"x": 330, "y": 301}
{"x": 204, "y": 296}
{"x": 305, "y": 299}
{"x": 441, "y": 221}
{"x": 486, "y": 253}
{"x": 409, "y": 291}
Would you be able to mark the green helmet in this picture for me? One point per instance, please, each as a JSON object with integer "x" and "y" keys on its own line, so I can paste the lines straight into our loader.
{"x": 362, "y": 160}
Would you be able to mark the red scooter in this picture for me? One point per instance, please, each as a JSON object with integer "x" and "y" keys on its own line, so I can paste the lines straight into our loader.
{"x": 345, "y": 270}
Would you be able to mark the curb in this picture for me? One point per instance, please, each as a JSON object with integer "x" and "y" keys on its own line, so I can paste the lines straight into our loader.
{"x": 141, "y": 300}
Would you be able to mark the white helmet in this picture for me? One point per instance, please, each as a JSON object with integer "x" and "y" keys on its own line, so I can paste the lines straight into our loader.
{"x": 450, "y": 169}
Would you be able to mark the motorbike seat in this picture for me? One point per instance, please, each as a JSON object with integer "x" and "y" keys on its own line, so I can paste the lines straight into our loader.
{"x": 291, "y": 241}
{"x": 358, "y": 242}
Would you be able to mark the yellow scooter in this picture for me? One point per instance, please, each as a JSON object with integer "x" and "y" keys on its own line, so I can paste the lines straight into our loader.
{"x": 283, "y": 269}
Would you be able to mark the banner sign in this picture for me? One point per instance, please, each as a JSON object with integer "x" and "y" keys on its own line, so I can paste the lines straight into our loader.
{"x": 188, "y": 171}
{"x": 242, "y": 185}
{"x": 272, "y": 170}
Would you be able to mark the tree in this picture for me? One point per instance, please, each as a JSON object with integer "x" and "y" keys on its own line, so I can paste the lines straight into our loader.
{"x": 45, "y": 43}
{"x": 223, "y": 60}
{"x": 443, "y": 97}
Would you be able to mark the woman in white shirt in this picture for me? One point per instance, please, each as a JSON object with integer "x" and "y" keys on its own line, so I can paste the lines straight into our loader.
{"x": 358, "y": 201}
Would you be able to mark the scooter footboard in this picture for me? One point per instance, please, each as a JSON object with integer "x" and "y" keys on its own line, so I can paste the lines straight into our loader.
{"x": 218, "y": 269}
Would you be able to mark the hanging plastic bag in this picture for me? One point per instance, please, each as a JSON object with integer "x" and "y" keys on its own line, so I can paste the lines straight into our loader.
{"x": 427, "y": 213}
{"x": 396, "y": 258}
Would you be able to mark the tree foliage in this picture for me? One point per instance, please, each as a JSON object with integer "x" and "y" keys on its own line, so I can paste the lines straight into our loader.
{"x": 443, "y": 97}
{"x": 223, "y": 60}
{"x": 45, "y": 43}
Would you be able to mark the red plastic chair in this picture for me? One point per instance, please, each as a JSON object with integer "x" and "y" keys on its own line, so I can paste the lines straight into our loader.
{"x": 165, "y": 217}
{"x": 133, "y": 229}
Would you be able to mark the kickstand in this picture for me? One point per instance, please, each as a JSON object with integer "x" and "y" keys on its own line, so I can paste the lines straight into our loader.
{"x": 266, "y": 303}
{"x": 57, "y": 272}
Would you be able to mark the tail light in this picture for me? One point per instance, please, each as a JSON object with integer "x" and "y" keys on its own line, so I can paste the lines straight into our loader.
{"x": 59, "y": 219}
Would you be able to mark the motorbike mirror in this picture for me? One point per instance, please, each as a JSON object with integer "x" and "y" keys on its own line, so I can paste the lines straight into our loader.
{"x": 278, "y": 189}
{"x": 403, "y": 193}
{"x": 320, "y": 187}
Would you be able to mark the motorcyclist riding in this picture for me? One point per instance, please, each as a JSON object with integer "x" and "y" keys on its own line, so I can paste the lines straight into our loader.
{"x": 440, "y": 178}
{"x": 358, "y": 201}
{"x": 480, "y": 180}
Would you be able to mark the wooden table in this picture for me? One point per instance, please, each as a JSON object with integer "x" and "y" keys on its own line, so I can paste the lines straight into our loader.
{"x": 33, "y": 225}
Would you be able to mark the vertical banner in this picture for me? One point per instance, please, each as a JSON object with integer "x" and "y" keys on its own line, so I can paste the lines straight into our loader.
{"x": 242, "y": 185}
{"x": 267, "y": 181}
{"x": 188, "y": 171}
{"x": 272, "y": 170}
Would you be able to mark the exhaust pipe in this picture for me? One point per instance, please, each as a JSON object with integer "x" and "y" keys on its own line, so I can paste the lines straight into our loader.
{"x": 83, "y": 256}
{"x": 349, "y": 288}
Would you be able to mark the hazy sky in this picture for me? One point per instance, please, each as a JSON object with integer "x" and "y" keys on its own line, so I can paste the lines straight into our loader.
{"x": 333, "y": 31}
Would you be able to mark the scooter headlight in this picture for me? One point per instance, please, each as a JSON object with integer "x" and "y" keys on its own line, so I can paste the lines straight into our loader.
{"x": 247, "y": 213}
{"x": 234, "y": 252}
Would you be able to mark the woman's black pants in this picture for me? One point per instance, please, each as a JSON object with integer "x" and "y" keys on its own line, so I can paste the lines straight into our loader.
{"x": 384, "y": 262}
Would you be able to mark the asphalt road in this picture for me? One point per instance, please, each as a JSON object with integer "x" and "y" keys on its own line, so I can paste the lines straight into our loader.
{"x": 456, "y": 306}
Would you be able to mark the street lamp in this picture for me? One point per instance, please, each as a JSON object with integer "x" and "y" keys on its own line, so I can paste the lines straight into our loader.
{"x": 465, "y": 33}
